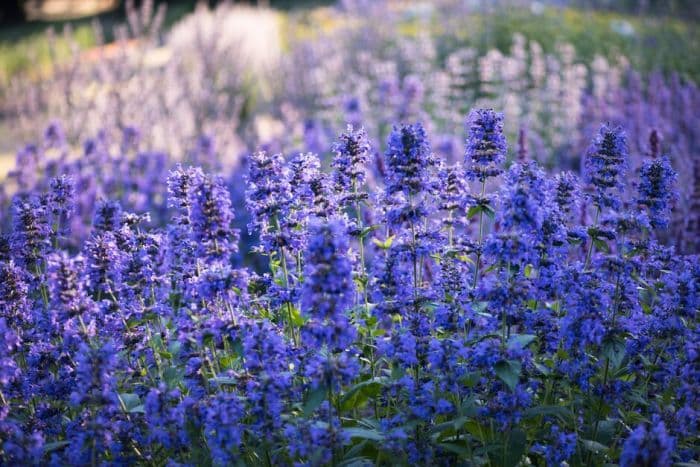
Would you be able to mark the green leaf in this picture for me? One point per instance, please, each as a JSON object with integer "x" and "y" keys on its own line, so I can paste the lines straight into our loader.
{"x": 454, "y": 448}
{"x": 520, "y": 341}
{"x": 593, "y": 446}
{"x": 385, "y": 244}
{"x": 224, "y": 380}
{"x": 131, "y": 403}
{"x": 367, "y": 230}
{"x": 545, "y": 370}
{"x": 473, "y": 211}
{"x": 509, "y": 372}
{"x": 601, "y": 245}
{"x": 529, "y": 269}
{"x": 356, "y": 462}
{"x": 357, "y": 395}
{"x": 173, "y": 376}
{"x": 363, "y": 433}
{"x": 298, "y": 319}
{"x": 314, "y": 399}
{"x": 477, "y": 430}
{"x": 558, "y": 411}
{"x": 515, "y": 447}
{"x": 614, "y": 351}
{"x": 55, "y": 446}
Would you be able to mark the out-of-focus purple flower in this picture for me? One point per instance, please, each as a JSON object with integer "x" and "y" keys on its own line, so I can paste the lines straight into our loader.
{"x": 108, "y": 216}
{"x": 328, "y": 286}
{"x": 223, "y": 430}
{"x": 9, "y": 342}
{"x": 656, "y": 190}
{"x": 14, "y": 291}
{"x": 30, "y": 235}
{"x": 648, "y": 445}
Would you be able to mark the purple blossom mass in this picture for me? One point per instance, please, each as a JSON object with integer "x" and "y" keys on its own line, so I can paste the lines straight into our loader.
{"x": 387, "y": 305}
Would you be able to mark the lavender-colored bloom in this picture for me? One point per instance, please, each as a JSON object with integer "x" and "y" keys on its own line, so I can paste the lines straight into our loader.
{"x": 269, "y": 191}
{"x": 567, "y": 192}
{"x": 54, "y": 137}
{"x": 605, "y": 165}
{"x": 14, "y": 295}
{"x": 352, "y": 153}
{"x": 270, "y": 387}
{"x": 222, "y": 427}
{"x": 180, "y": 183}
{"x": 166, "y": 417}
{"x": 656, "y": 190}
{"x": 408, "y": 157}
{"x": 560, "y": 449}
{"x": 68, "y": 298}
{"x": 486, "y": 144}
{"x": 587, "y": 301}
{"x": 648, "y": 445}
{"x": 525, "y": 198}
{"x": 9, "y": 342}
{"x": 328, "y": 286}
{"x": 30, "y": 236}
{"x": 108, "y": 216}
{"x": 95, "y": 381}
{"x": 211, "y": 218}
{"x": 104, "y": 266}
{"x": 453, "y": 196}
{"x": 311, "y": 189}
{"x": 61, "y": 198}
{"x": 269, "y": 201}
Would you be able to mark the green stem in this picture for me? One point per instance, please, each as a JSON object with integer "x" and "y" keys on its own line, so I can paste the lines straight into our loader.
{"x": 481, "y": 237}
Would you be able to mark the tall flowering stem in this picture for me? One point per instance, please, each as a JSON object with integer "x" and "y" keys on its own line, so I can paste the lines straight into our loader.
{"x": 604, "y": 168}
{"x": 352, "y": 152}
{"x": 484, "y": 156}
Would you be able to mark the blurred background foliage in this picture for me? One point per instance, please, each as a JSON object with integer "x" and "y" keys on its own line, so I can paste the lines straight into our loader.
{"x": 653, "y": 34}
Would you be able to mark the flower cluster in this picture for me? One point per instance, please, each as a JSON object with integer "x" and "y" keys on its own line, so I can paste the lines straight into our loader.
{"x": 440, "y": 320}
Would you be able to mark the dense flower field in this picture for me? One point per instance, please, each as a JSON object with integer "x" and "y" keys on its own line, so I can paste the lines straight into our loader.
{"x": 477, "y": 313}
